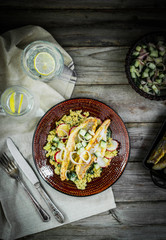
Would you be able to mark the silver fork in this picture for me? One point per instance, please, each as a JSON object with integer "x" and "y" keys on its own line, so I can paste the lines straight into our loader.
{"x": 9, "y": 166}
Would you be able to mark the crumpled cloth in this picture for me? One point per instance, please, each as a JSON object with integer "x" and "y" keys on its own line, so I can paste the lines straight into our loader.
{"x": 18, "y": 217}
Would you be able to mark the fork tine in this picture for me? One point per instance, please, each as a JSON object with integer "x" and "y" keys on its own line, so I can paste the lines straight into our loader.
{"x": 11, "y": 163}
{"x": 6, "y": 162}
{"x": 6, "y": 159}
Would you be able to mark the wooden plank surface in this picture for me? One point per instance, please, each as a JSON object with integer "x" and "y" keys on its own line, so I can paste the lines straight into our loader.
{"x": 100, "y": 65}
{"x": 97, "y": 34}
{"x": 123, "y": 99}
{"x": 88, "y": 28}
{"x": 79, "y": 4}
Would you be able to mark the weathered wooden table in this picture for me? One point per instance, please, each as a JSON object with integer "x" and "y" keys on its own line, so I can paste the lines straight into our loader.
{"x": 97, "y": 34}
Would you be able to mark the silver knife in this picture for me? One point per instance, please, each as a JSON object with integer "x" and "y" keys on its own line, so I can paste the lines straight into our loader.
{"x": 23, "y": 164}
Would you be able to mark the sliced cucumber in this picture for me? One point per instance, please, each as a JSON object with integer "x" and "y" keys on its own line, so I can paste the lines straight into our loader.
{"x": 151, "y": 73}
{"x": 72, "y": 176}
{"x": 61, "y": 145}
{"x": 152, "y": 66}
{"x": 82, "y": 132}
{"x": 48, "y": 146}
{"x": 162, "y": 53}
{"x": 84, "y": 144}
{"x": 146, "y": 70}
{"x": 56, "y": 139}
{"x": 138, "y": 48}
{"x": 80, "y": 150}
{"x": 97, "y": 154}
{"x": 109, "y": 133}
{"x": 133, "y": 75}
{"x": 137, "y": 63}
{"x": 103, "y": 144}
{"x": 78, "y": 145}
{"x": 96, "y": 166}
{"x": 55, "y": 144}
{"x": 145, "y": 75}
{"x": 87, "y": 136}
{"x": 153, "y": 53}
{"x": 91, "y": 132}
{"x": 53, "y": 148}
{"x": 155, "y": 89}
{"x": 161, "y": 75}
{"x": 159, "y": 81}
{"x": 135, "y": 53}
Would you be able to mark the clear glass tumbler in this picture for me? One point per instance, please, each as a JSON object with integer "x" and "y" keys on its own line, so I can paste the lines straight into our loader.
{"x": 16, "y": 101}
{"x": 41, "y": 60}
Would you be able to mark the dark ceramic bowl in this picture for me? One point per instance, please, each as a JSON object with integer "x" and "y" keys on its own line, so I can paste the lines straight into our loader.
{"x": 158, "y": 176}
{"x": 153, "y": 38}
{"x": 95, "y": 108}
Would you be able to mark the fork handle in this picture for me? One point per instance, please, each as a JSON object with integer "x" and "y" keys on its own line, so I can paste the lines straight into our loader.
{"x": 43, "y": 214}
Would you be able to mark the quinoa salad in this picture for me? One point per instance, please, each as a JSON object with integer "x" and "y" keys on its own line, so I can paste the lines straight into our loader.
{"x": 79, "y": 147}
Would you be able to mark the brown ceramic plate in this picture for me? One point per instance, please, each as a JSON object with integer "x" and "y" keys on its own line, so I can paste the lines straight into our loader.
{"x": 95, "y": 108}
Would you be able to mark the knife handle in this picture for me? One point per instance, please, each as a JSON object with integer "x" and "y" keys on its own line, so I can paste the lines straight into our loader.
{"x": 43, "y": 214}
{"x": 56, "y": 212}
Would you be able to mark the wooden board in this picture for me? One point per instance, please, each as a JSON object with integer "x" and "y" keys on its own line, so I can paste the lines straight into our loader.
{"x": 88, "y": 28}
{"x": 123, "y": 99}
{"x": 79, "y": 4}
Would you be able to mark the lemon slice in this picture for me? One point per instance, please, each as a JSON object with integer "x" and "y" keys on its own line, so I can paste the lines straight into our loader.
{"x": 20, "y": 103}
{"x": 44, "y": 63}
{"x": 12, "y": 102}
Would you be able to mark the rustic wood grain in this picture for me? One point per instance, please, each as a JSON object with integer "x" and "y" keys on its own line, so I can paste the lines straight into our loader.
{"x": 79, "y": 4}
{"x": 126, "y": 234}
{"x": 136, "y": 185}
{"x": 125, "y": 101}
{"x": 142, "y": 136}
{"x": 100, "y": 65}
{"x": 88, "y": 28}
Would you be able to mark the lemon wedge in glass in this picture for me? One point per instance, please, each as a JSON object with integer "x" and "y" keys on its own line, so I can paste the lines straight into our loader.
{"x": 44, "y": 63}
{"x": 12, "y": 102}
{"x": 20, "y": 103}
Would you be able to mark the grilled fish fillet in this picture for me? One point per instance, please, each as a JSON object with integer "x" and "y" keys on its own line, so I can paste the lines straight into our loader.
{"x": 89, "y": 124}
{"x": 99, "y": 135}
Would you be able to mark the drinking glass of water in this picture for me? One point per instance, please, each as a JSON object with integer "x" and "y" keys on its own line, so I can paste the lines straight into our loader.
{"x": 41, "y": 60}
{"x": 16, "y": 101}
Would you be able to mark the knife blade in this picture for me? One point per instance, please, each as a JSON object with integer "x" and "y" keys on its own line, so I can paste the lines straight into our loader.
{"x": 30, "y": 174}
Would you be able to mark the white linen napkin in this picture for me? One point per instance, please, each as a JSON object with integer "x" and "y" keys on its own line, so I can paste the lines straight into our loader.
{"x": 18, "y": 217}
